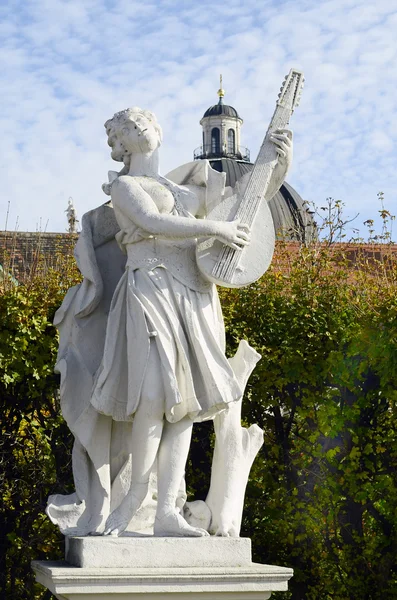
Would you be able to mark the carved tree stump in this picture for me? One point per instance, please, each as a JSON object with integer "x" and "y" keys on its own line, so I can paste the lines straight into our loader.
{"x": 234, "y": 453}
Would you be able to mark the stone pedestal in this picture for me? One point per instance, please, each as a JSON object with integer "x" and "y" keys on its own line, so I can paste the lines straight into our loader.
{"x": 149, "y": 568}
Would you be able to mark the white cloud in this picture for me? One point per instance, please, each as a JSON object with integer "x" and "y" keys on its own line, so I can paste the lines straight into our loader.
{"x": 68, "y": 65}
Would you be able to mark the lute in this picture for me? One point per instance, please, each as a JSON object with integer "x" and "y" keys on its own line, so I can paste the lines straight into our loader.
{"x": 218, "y": 262}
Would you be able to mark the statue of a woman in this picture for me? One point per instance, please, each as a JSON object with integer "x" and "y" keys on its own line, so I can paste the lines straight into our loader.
{"x": 163, "y": 364}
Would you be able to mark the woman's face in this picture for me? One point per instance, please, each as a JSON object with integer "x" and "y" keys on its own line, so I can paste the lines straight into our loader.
{"x": 137, "y": 135}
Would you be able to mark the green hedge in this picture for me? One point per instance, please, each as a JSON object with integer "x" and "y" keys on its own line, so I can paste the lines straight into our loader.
{"x": 322, "y": 496}
{"x": 35, "y": 443}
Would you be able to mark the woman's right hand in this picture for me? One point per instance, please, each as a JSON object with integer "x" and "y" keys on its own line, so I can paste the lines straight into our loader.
{"x": 233, "y": 233}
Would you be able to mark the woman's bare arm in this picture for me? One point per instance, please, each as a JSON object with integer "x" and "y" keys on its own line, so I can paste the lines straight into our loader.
{"x": 137, "y": 205}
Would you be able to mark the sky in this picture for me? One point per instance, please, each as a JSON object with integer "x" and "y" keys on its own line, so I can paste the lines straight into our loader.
{"x": 67, "y": 66}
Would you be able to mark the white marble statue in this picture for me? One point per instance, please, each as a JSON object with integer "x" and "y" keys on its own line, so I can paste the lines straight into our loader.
{"x": 142, "y": 348}
{"x": 71, "y": 216}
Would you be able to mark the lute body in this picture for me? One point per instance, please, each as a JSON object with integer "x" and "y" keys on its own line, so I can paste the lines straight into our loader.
{"x": 254, "y": 259}
{"x": 220, "y": 263}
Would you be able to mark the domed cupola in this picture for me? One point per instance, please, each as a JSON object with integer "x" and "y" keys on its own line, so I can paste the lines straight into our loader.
{"x": 221, "y": 109}
{"x": 221, "y": 125}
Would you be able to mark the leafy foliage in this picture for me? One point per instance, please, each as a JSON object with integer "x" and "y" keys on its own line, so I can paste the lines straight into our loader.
{"x": 35, "y": 442}
{"x": 322, "y": 496}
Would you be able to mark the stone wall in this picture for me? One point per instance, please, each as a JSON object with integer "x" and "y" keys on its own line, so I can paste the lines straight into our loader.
{"x": 22, "y": 254}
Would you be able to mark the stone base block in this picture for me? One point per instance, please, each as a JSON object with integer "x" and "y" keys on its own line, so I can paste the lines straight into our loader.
{"x": 151, "y": 552}
{"x": 254, "y": 582}
{"x": 149, "y": 568}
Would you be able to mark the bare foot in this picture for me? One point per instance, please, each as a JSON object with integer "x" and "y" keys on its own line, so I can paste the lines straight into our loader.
{"x": 222, "y": 532}
{"x": 174, "y": 525}
{"x": 118, "y": 520}
{"x": 224, "y": 529}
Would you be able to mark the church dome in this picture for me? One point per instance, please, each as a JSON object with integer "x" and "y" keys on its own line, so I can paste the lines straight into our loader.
{"x": 221, "y": 109}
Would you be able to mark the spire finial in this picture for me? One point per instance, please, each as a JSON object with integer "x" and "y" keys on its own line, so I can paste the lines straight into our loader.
{"x": 221, "y": 91}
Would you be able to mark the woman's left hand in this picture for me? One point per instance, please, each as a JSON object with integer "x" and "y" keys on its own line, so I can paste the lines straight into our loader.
{"x": 282, "y": 139}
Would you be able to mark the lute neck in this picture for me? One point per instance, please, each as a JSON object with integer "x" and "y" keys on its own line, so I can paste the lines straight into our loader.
{"x": 255, "y": 191}
{"x": 266, "y": 159}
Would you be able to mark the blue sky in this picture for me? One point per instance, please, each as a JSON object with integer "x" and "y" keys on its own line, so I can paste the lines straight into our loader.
{"x": 67, "y": 66}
